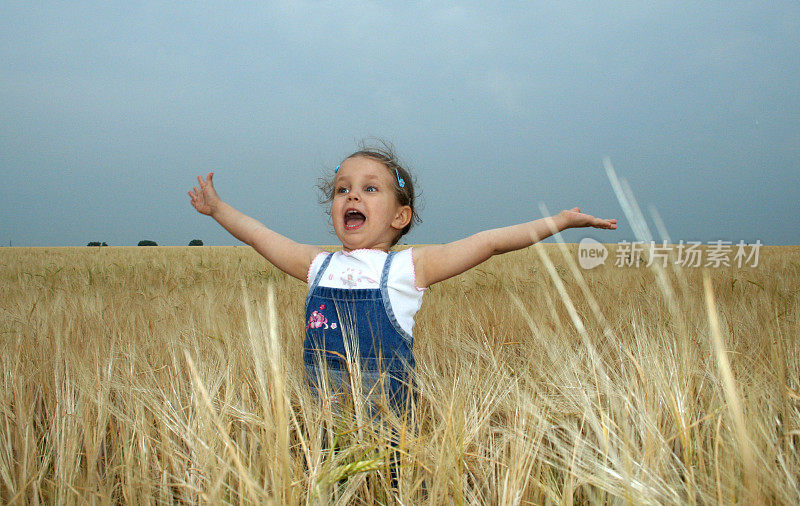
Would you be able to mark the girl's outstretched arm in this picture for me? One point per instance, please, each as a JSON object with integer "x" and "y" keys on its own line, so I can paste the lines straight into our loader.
{"x": 437, "y": 263}
{"x": 287, "y": 255}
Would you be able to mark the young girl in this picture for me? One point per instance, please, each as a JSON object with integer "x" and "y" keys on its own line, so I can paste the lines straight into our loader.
{"x": 362, "y": 299}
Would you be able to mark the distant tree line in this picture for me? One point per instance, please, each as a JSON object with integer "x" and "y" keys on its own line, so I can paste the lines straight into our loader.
{"x": 146, "y": 242}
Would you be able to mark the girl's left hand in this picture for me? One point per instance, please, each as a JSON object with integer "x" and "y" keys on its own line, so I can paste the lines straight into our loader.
{"x": 205, "y": 198}
{"x": 574, "y": 218}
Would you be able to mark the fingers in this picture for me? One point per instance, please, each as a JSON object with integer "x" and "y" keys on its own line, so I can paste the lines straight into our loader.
{"x": 200, "y": 195}
{"x": 593, "y": 221}
{"x": 609, "y": 224}
{"x": 208, "y": 181}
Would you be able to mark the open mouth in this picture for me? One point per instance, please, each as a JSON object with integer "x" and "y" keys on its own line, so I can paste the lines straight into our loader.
{"x": 353, "y": 219}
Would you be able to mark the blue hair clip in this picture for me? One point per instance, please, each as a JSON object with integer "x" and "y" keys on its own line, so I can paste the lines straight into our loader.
{"x": 336, "y": 169}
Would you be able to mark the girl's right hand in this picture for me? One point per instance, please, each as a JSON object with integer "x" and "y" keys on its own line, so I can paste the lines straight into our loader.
{"x": 205, "y": 199}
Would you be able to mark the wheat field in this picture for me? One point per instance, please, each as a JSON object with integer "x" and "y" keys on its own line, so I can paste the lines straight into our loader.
{"x": 163, "y": 375}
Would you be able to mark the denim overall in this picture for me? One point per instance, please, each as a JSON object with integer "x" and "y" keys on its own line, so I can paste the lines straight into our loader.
{"x": 360, "y": 324}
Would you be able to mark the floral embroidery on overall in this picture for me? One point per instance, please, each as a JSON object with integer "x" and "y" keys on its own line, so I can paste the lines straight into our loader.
{"x": 317, "y": 320}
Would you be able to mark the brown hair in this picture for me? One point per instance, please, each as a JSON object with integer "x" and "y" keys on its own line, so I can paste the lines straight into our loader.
{"x": 384, "y": 153}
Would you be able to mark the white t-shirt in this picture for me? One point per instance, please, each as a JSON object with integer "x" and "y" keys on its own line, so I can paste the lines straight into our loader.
{"x": 362, "y": 268}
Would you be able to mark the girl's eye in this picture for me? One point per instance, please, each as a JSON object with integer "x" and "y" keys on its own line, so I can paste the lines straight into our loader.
{"x": 342, "y": 189}
{"x": 370, "y": 189}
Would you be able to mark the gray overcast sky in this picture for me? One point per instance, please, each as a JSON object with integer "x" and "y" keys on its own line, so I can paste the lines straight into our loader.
{"x": 108, "y": 110}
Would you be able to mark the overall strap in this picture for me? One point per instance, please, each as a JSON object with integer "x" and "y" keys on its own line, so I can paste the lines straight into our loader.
{"x": 318, "y": 277}
{"x": 387, "y": 303}
{"x": 386, "y": 265}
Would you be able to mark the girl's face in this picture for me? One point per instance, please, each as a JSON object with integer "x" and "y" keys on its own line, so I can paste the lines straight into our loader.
{"x": 365, "y": 210}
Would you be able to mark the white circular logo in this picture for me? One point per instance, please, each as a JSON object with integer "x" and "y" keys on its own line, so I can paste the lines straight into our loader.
{"x": 591, "y": 253}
